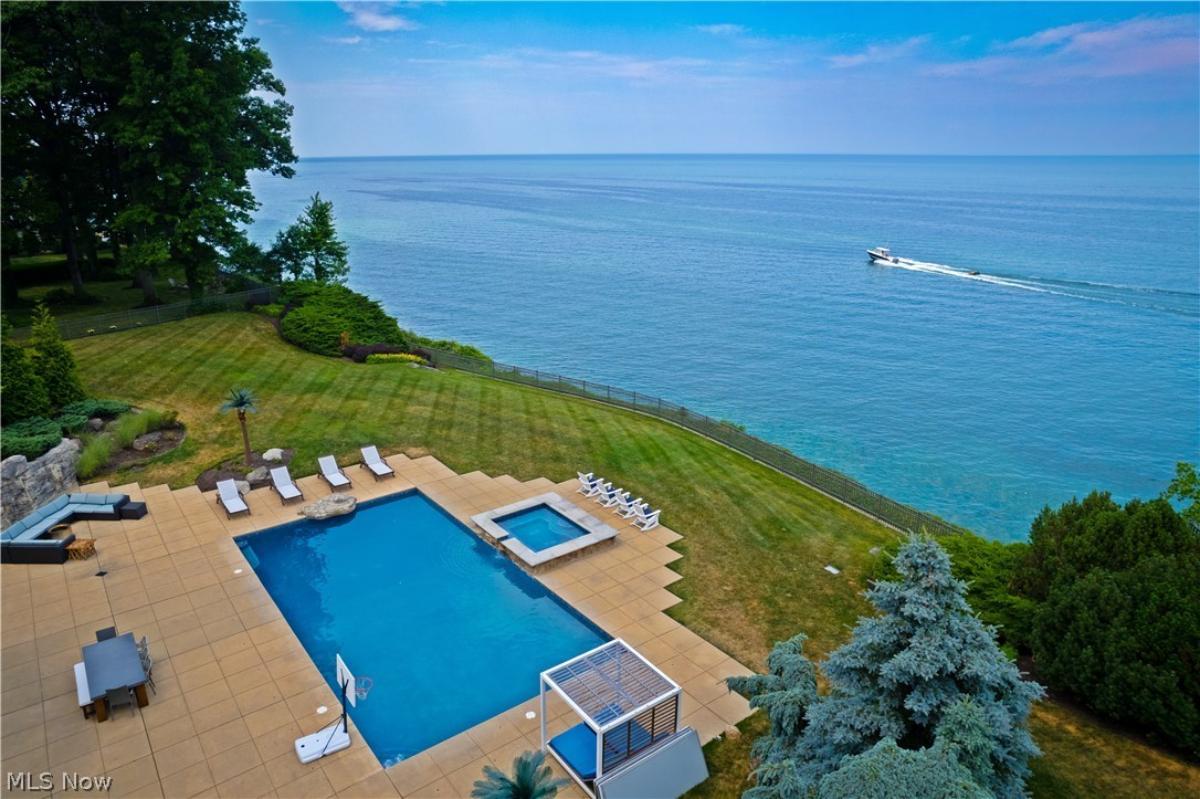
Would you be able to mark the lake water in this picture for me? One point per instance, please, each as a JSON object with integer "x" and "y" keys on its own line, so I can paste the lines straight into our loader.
{"x": 739, "y": 286}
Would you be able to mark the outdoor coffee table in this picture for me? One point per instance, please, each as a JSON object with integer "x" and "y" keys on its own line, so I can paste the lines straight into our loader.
{"x": 81, "y": 548}
{"x": 114, "y": 664}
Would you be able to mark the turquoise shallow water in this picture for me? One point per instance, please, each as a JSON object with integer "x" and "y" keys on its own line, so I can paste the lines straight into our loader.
{"x": 738, "y": 285}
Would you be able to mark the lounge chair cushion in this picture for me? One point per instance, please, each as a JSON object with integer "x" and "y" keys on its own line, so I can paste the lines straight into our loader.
{"x": 577, "y": 746}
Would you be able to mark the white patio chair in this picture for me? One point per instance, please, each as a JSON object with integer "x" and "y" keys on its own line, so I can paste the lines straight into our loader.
{"x": 230, "y": 499}
{"x": 371, "y": 460}
{"x": 613, "y": 500}
{"x": 332, "y": 473}
{"x": 283, "y": 485}
{"x": 625, "y": 505}
{"x": 587, "y": 482}
{"x": 647, "y": 519}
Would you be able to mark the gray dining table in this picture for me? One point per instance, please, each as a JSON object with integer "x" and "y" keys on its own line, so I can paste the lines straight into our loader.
{"x": 114, "y": 664}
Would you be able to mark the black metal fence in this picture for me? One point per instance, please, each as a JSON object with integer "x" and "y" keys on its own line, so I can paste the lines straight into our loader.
{"x": 828, "y": 481}
{"x": 143, "y": 317}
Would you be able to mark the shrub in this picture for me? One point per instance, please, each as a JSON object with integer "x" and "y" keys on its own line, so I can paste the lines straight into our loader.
{"x": 1118, "y": 613}
{"x": 395, "y": 357}
{"x": 31, "y": 437}
{"x": 465, "y": 350}
{"x": 359, "y": 353}
{"x": 92, "y": 408}
{"x": 326, "y": 312}
{"x": 53, "y": 360}
{"x": 133, "y": 425}
{"x": 1127, "y": 643}
{"x": 96, "y": 452}
{"x": 273, "y": 310}
{"x": 201, "y": 307}
{"x": 22, "y": 392}
{"x": 71, "y": 423}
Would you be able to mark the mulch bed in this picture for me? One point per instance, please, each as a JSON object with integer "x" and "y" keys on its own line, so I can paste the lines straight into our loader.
{"x": 172, "y": 437}
{"x": 236, "y": 469}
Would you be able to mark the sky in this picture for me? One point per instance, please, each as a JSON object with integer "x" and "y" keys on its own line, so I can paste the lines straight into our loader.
{"x": 404, "y": 78}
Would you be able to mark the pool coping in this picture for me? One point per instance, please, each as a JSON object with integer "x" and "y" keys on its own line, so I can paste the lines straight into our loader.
{"x": 597, "y": 530}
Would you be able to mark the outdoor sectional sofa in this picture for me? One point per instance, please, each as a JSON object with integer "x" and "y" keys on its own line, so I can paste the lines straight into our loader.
{"x": 23, "y": 542}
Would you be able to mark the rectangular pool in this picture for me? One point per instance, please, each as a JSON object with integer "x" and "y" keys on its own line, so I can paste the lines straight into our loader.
{"x": 449, "y": 631}
{"x": 540, "y": 527}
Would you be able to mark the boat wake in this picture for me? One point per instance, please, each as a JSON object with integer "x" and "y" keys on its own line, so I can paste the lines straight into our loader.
{"x": 1185, "y": 303}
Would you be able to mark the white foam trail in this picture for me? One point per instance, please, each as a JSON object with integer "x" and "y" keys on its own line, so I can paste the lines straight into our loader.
{"x": 1008, "y": 282}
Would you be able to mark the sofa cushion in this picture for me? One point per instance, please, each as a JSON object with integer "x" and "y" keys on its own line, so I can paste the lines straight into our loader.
{"x": 14, "y": 530}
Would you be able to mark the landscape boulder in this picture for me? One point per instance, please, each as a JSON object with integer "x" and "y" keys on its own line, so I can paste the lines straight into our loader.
{"x": 95, "y": 425}
{"x": 332, "y": 505}
{"x": 273, "y": 454}
{"x": 243, "y": 486}
{"x": 30, "y": 484}
{"x": 148, "y": 442}
{"x": 258, "y": 477}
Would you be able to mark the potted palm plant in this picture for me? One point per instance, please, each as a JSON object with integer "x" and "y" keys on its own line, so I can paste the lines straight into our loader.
{"x": 242, "y": 401}
{"x": 531, "y": 779}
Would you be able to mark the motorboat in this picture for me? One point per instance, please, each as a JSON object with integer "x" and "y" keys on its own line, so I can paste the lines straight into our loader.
{"x": 882, "y": 254}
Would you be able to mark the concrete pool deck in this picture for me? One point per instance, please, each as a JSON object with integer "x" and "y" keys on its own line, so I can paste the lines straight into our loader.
{"x": 235, "y": 687}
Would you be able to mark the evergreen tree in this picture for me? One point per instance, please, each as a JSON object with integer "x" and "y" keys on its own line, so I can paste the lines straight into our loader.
{"x": 1185, "y": 488}
{"x": 784, "y": 694}
{"x": 22, "y": 392}
{"x": 902, "y": 670}
{"x": 310, "y": 248}
{"x": 925, "y": 669}
{"x": 53, "y": 360}
{"x": 885, "y": 771}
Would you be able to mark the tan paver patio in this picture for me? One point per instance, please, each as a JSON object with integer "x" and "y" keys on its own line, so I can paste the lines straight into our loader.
{"x": 235, "y": 686}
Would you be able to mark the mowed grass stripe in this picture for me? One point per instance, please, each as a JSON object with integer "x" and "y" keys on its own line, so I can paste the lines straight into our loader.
{"x": 755, "y": 541}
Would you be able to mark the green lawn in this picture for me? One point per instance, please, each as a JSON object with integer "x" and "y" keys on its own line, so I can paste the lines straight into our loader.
{"x": 113, "y": 294}
{"x": 755, "y": 541}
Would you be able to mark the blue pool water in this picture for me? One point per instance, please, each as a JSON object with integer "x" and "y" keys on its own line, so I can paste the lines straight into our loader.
{"x": 540, "y": 527}
{"x": 738, "y": 286}
{"x": 449, "y": 631}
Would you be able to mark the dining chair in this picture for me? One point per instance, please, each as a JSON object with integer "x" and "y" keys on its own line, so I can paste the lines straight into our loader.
{"x": 116, "y": 697}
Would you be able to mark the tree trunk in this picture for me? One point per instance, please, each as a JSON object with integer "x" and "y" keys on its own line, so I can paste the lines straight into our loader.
{"x": 245, "y": 436}
{"x": 144, "y": 279}
{"x": 67, "y": 228}
{"x": 93, "y": 259}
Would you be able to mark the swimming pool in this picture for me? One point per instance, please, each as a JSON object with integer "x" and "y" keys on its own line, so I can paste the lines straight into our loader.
{"x": 541, "y": 527}
{"x": 449, "y": 631}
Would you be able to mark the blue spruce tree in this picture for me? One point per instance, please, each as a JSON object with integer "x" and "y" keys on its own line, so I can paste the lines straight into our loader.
{"x": 923, "y": 670}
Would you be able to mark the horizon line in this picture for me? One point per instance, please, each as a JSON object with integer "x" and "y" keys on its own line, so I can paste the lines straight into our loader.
{"x": 398, "y": 156}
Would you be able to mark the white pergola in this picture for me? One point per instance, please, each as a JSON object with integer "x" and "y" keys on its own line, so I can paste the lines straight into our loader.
{"x": 625, "y": 705}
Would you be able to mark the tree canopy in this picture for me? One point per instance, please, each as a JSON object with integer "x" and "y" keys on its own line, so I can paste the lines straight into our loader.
{"x": 140, "y": 121}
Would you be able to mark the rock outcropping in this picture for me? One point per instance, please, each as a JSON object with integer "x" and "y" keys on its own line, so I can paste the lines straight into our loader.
{"x": 332, "y": 505}
{"x": 30, "y": 484}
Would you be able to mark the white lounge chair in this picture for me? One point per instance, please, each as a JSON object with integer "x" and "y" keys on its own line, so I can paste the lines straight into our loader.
{"x": 377, "y": 465}
{"x": 631, "y": 511}
{"x": 587, "y": 482}
{"x": 332, "y": 473}
{"x": 625, "y": 505}
{"x": 230, "y": 499}
{"x": 607, "y": 493}
{"x": 613, "y": 500}
{"x": 647, "y": 519}
{"x": 283, "y": 485}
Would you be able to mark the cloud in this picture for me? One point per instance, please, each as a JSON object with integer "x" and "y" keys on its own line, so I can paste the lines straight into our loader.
{"x": 878, "y": 53}
{"x": 376, "y": 17}
{"x": 722, "y": 29}
{"x": 1089, "y": 50}
{"x": 578, "y": 64}
{"x": 343, "y": 39}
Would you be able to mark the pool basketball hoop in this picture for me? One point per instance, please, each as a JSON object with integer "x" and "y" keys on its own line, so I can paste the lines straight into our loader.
{"x": 363, "y": 686}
